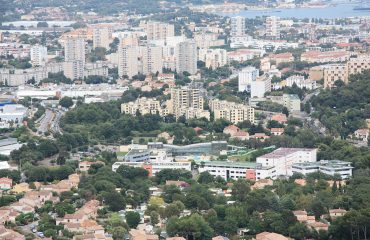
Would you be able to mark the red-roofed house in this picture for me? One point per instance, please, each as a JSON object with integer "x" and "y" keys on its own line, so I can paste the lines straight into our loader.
{"x": 362, "y": 134}
{"x": 6, "y": 183}
{"x": 277, "y": 131}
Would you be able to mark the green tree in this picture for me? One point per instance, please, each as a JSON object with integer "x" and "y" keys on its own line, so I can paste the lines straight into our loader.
{"x": 66, "y": 102}
{"x": 132, "y": 219}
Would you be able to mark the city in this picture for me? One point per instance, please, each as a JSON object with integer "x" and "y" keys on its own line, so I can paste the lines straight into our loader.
{"x": 185, "y": 120}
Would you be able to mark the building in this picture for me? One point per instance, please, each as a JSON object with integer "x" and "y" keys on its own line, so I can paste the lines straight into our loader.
{"x": 13, "y": 113}
{"x": 333, "y": 73}
{"x": 158, "y": 30}
{"x": 329, "y": 167}
{"x": 143, "y": 105}
{"x": 154, "y": 167}
{"x": 73, "y": 69}
{"x": 137, "y": 155}
{"x": 102, "y": 37}
{"x": 186, "y": 57}
{"x": 260, "y": 86}
{"x": 236, "y": 133}
{"x": 272, "y": 27}
{"x": 270, "y": 236}
{"x": 358, "y": 65}
{"x": 152, "y": 59}
{"x": 325, "y": 57}
{"x": 245, "y": 77}
{"x": 300, "y": 82}
{"x": 39, "y": 55}
{"x": 213, "y": 58}
{"x": 334, "y": 213}
{"x": 282, "y": 159}
{"x": 292, "y": 102}
{"x": 207, "y": 40}
{"x": 128, "y": 63}
{"x": 282, "y": 58}
{"x": 231, "y": 111}
{"x": 237, "y": 26}
{"x": 74, "y": 49}
{"x": 6, "y": 183}
{"x": 362, "y": 134}
{"x": 184, "y": 98}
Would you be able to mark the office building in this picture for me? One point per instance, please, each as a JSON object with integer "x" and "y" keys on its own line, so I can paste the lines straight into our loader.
{"x": 329, "y": 167}
{"x": 39, "y": 55}
{"x": 245, "y": 78}
{"x": 152, "y": 59}
{"x": 272, "y": 27}
{"x": 213, "y": 58}
{"x": 128, "y": 63}
{"x": 158, "y": 30}
{"x": 260, "y": 86}
{"x": 186, "y": 57}
{"x": 282, "y": 159}
{"x": 231, "y": 111}
{"x": 102, "y": 37}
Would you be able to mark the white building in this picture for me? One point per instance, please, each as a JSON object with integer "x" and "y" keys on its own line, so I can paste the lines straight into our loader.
{"x": 102, "y": 37}
{"x": 13, "y": 113}
{"x": 74, "y": 49}
{"x": 39, "y": 55}
{"x": 213, "y": 58}
{"x": 329, "y": 167}
{"x": 245, "y": 78}
{"x": 283, "y": 159}
{"x": 292, "y": 102}
{"x": 272, "y": 27}
{"x": 152, "y": 59}
{"x": 186, "y": 57}
{"x": 154, "y": 167}
{"x": 128, "y": 63}
{"x": 301, "y": 82}
{"x": 260, "y": 86}
{"x": 158, "y": 30}
{"x": 237, "y": 26}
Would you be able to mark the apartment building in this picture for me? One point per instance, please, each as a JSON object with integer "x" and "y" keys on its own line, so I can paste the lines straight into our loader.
{"x": 207, "y": 40}
{"x": 128, "y": 64}
{"x": 102, "y": 37}
{"x": 213, "y": 58}
{"x": 233, "y": 112}
{"x": 39, "y": 55}
{"x": 245, "y": 77}
{"x": 329, "y": 167}
{"x": 272, "y": 27}
{"x": 143, "y": 105}
{"x": 237, "y": 26}
{"x": 333, "y": 73}
{"x": 260, "y": 86}
{"x": 184, "y": 98}
{"x": 186, "y": 57}
{"x": 158, "y": 30}
{"x": 325, "y": 57}
{"x": 358, "y": 65}
{"x": 73, "y": 69}
{"x": 282, "y": 159}
{"x": 301, "y": 82}
{"x": 292, "y": 102}
{"x": 152, "y": 59}
{"x": 74, "y": 55}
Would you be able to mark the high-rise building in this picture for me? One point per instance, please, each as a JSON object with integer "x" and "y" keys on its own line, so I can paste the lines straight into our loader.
{"x": 74, "y": 49}
{"x": 73, "y": 69}
{"x": 231, "y": 111}
{"x": 39, "y": 55}
{"x": 186, "y": 57}
{"x": 213, "y": 58}
{"x": 245, "y": 78}
{"x": 260, "y": 86}
{"x": 272, "y": 27}
{"x": 333, "y": 73}
{"x": 128, "y": 64}
{"x": 237, "y": 26}
{"x": 152, "y": 59}
{"x": 184, "y": 98}
{"x": 158, "y": 30}
{"x": 102, "y": 37}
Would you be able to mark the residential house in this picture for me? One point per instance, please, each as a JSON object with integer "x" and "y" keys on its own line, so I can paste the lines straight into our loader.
{"x": 8, "y": 234}
{"x": 270, "y": 236}
{"x": 334, "y": 213}
{"x": 362, "y": 134}
{"x": 6, "y": 183}
{"x": 277, "y": 131}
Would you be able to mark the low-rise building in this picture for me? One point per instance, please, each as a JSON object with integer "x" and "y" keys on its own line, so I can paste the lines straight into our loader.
{"x": 362, "y": 134}
{"x": 270, "y": 236}
{"x": 292, "y": 102}
{"x": 329, "y": 167}
{"x": 231, "y": 111}
{"x": 213, "y": 58}
{"x": 6, "y": 183}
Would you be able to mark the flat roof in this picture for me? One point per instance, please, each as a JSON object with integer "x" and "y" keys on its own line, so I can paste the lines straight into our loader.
{"x": 282, "y": 152}
{"x": 231, "y": 164}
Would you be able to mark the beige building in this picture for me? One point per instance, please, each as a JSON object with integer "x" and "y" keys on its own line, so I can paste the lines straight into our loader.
{"x": 335, "y": 72}
{"x": 186, "y": 57}
{"x": 185, "y": 98}
{"x": 102, "y": 37}
{"x": 233, "y": 112}
{"x": 39, "y": 55}
{"x": 206, "y": 40}
{"x": 74, "y": 49}
{"x": 73, "y": 69}
{"x": 292, "y": 102}
{"x": 272, "y": 27}
{"x": 152, "y": 59}
{"x": 359, "y": 64}
{"x": 158, "y": 30}
{"x": 128, "y": 63}
{"x": 143, "y": 105}
{"x": 213, "y": 58}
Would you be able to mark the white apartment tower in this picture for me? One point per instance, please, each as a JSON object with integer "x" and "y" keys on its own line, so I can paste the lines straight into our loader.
{"x": 74, "y": 56}
{"x": 128, "y": 64}
{"x": 260, "y": 86}
{"x": 245, "y": 78}
{"x": 272, "y": 27}
{"x": 102, "y": 37}
{"x": 186, "y": 57}
{"x": 152, "y": 59}
{"x": 237, "y": 26}
{"x": 159, "y": 31}
{"x": 39, "y": 55}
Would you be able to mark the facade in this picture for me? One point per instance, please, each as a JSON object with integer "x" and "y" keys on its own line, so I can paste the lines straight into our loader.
{"x": 272, "y": 27}
{"x": 152, "y": 59}
{"x": 325, "y": 57}
{"x": 292, "y": 102}
{"x": 329, "y": 167}
{"x": 74, "y": 49}
{"x": 128, "y": 60}
{"x": 73, "y": 69}
{"x": 233, "y": 112}
{"x": 39, "y": 55}
{"x": 260, "y": 86}
{"x": 358, "y": 65}
{"x": 237, "y": 26}
{"x": 186, "y": 57}
{"x": 137, "y": 155}
{"x": 13, "y": 113}
{"x": 283, "y": 159}
{"x": 333, "y": 73}
{"x": 102, "y": 37}
{"x": 245, "y": 78}
{"x": 143, "y": 105}
{"x": 301, "y": 82}
{"x": 213, "y": 58}
{"x": 184, "y": 98}
{"x": 207, "y": 40}
{"x": 159, "y": 31}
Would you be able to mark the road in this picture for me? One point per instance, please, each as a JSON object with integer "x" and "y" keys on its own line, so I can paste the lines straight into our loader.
{"x": 45, "y": 122}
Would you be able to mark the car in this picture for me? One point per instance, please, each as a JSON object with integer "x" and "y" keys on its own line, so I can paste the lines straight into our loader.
{"x": 34, "y": 230}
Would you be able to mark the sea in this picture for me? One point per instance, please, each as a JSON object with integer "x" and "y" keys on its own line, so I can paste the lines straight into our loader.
{"x": 330, "y": 12}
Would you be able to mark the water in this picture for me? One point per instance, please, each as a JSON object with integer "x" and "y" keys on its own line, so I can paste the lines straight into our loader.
{"x": 330, "y": 12}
